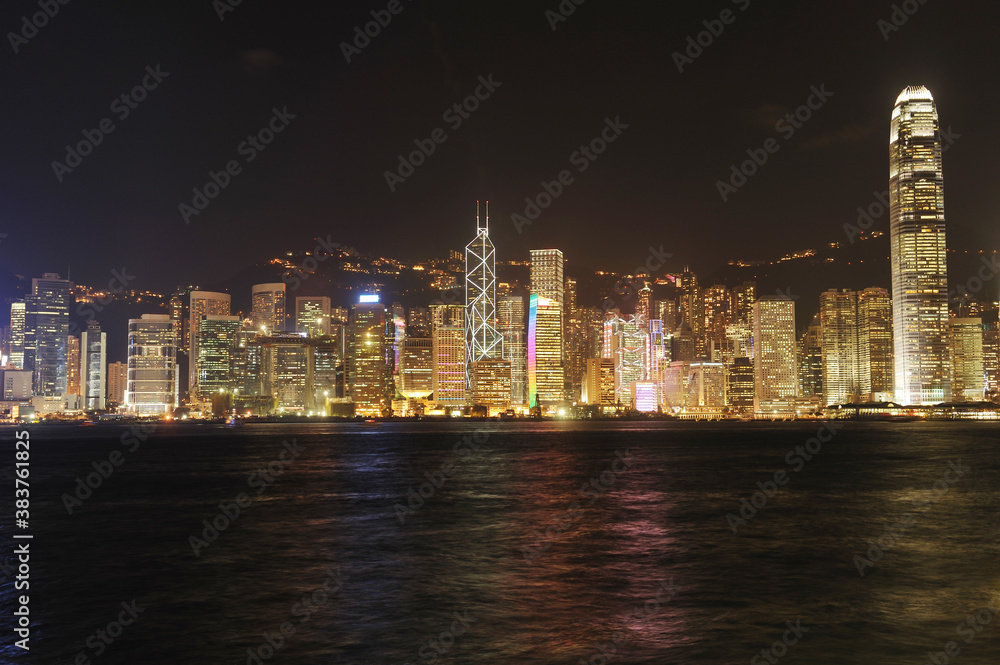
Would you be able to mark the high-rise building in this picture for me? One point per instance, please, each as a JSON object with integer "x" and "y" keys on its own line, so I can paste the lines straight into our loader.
{"x": 17, "y": 334}
{"x": 448, "y": 348}
{"x": 745, "y": 295}
{"x": 482, "y": 341}
{"x": 417, "y": 368}
{"x": 491, "y": 385}
{"x": 668, "y": 312}
{"x": 575, "y": 341}
{"x": 739, "y": 394}
{"x": 511, "y": 324}
{"x": 418, "y": 323}
{"x": 312, "y": 315}
{"x": 93, "y": 363}
{"x": 287, "y": 363}
{"x": 217, "y": 343}
{"x": 991, "y": 360}
{"x": 968, "y": 378}
{"x": 599, "y": 382}
{"x": 370, "y": 375}
{"x": 46, "y": 328}
{"x": 73, "y": 365}
{"x": 717, "y": 312}
{"x": 839, "y": 338}
{"x": 547, "y": 274}
{"x": 545, "y": 368}
{"x": 268, "y": 303}
{"x": 117, "y": 374}
{"x": 810, "y": 361}
{"x": 875, "y": 344}
{"x": 918, "y": 251}
{"x": 203, "y": 303}
{"x": 152, "y": 365}
{"x": 776, "y": 378}
{"x": 16, "y": 385}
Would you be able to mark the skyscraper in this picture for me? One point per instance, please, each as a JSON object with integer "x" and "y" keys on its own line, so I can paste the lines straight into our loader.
{"x": 511, "y": 324}
{"x": 268, "y": 302}
{"x": 73, "y": 365}
{"x": 917, "y": 246}
{"x": 217, "y": 341}
{"x": 968, "y": 380}
{"x": 482, "y": 341}
{"x": 312, "y": 315}
{"x": 875, "y": 343}
{"x": 417, "y": 367}
{"x": 839, "y": 339}
{"x": 17, "y": 334}
{"x": 776, "y": 377}
{"x": 117, "y": 374}
{"x": 547, "y": 274}
{"x": 46, "y": 328}
{"x": 152, "y": 365}
{"x": 202, "y": 303}
{"x": 448, "y": 350}
{"x": 93, "y": 360}
{"x": 545, "y": 368}
{"x": 369, "y": 376}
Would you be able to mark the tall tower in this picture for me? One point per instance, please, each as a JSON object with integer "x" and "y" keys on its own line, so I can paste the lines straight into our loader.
{"x": 918, "y": 259}
{"x": 151, "y": 379}
{"x": 203, "y": 303}
{"x": 46, "y": 329}
{"x": 93, "y": 359}
{"x": 838, "y": 313}
{"x": 268, "y": 301}
{"x": 482, "y": 341}
{"x": 776, "y": 379}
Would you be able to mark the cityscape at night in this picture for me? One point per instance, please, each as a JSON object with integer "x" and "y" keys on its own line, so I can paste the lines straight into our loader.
{"x": 412, "y": 332}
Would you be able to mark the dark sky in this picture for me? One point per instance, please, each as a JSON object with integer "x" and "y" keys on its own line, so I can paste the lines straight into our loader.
{"x": 324, "y": 174}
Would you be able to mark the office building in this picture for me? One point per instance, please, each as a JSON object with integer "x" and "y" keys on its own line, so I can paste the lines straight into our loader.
{"x": 417, "y": 368}
{"x": 117, "y": 380}
{"x": 511, "y": 325}
{"x": 491, "y": 385}
{"x": 217, "y": 343}
{"x": 739, "y": 393}
{"x": 151, "y": 388}
{"x": 776, "y": 378}
{"x": 17, "y": 334}
{"x": 968, "y": 377}
{"x": 268, "y": 307}
{"x": 312, "y": 315}
{"x": 46, "y": 328}
{"x": 203, "y": 303}
{"x": 370, "y": 374}
{"x": 93, "y": 365}
{"x": 73, "y": 365}
{"x": 839, "y": 339}
{"x": 875, "y": 344}
{"x": 918, "y": 251}
{"x": 482, "y": 340}
{"x": 599, "y": 382}
{"x": 545, "y": 368}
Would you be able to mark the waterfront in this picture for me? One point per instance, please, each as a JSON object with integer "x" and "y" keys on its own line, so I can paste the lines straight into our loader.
{"x": 553, "y": 542}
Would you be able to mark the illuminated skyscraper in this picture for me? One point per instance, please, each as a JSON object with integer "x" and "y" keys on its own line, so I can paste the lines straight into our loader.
{"x": 810, "y": 361}
{"x": 46, "y": 327}
{"x": 117, "y": 374}
{"x": 151, "y": 389}
{"x": 491, "y": 385}
{"x": 599, "y": 382}
{"x": 739, "y": 394}
{"x": 203, "y": 303}
{"x": 369, "y": 378}
{"x": 312, "y": 315}
{"x": 482, "y": 341}
{"x": 545, "y": 368}
{"x": 217, "y": 343}
{"x": 448, "y": 349}
{"x": 73, "y": 365}
{"x": 968, "y": 379}
{"x": 417, "y": 367}
{"x": 93, "y": 365}
{"x": 917, "y": 245}
{"x": 776, "y": 379}
{"x": 268, "y": 301}
{"x": 875, "y": 344}
{"x": 839, "y": 338}
{"x": 17, "y": 334}
{"x": 547, "y": 274}
{"x": 511, "y": 324}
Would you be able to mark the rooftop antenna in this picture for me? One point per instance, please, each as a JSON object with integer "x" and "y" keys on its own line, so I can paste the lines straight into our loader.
{"x": 477, "y": 214}
{"x": 487, "y": 216}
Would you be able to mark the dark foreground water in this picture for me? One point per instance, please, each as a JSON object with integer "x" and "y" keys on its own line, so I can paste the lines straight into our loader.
{"x": 536, "y": 543}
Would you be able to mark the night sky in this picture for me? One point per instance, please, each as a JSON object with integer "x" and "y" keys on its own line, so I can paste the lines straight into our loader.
{"x": 324, "y": 174}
